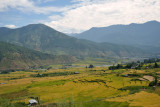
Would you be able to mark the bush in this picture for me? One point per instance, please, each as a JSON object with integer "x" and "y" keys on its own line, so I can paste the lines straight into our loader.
{"x": 152, "y": 83}
{"x": 5, "y": 72}
{"x": 156, "y": 65}
{"x": 91, "y": 66}
{"x": 52, "y": 74}
{"x": 119, "y": 66}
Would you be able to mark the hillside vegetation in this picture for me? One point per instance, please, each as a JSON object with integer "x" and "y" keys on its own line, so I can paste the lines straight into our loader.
{"x": 15, "y": 57}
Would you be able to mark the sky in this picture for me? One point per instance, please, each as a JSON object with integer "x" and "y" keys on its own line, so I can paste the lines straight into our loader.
{"x": 75, "y": 16}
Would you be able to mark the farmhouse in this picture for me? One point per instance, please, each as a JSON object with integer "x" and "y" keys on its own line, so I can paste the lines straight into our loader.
{"x": 32, "y": 102}
{"x": 76, "y": 72}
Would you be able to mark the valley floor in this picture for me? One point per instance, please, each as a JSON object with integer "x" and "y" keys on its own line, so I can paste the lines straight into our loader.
{"x": 79, "y": 87}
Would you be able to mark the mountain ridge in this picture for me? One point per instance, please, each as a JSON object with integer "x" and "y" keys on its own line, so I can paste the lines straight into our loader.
{"x": 122, "y": 34}
{"x": 144, "y": 36}
{"x": 45, "y": 39}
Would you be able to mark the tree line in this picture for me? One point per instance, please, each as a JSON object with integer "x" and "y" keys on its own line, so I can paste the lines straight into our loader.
{"x": 138, "y": 64}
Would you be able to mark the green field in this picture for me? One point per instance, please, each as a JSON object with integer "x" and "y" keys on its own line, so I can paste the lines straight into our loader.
{"x": 92, "y": 87}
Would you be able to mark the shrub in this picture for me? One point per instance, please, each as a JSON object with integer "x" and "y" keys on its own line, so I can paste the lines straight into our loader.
{"x": 91, "y": 66}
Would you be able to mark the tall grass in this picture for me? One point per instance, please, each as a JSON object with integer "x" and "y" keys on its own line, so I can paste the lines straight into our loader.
{"x": 8, "y": 103}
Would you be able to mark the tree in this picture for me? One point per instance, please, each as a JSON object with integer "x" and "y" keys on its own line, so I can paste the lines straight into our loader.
{"x": 155, "y": 80}
{"x": 156, "y": 65}
{"x": 129, "y": 65}
{"x": 119, "y": 66}
{"x": 91, "y": 66}
{"x": 138, "y": 62}
{"x": 112, "y": 67}
{"x": 154, "y": 83}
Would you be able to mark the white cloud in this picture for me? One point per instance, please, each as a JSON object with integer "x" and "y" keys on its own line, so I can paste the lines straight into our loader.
{"x": 5, "y": 4}
{"x": 10, "y": 26}
{"x": 100, "y": 13}
{"x": 84, "y": 14}
{"x": 30, "y": 6}
{"x": 55, "y": 17}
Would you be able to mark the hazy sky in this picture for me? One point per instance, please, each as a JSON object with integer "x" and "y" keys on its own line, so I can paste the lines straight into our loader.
{"x": 71, "y": 16}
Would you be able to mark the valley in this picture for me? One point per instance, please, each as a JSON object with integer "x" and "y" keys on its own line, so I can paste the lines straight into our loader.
{"x": 41, "y": 65}
{"x": 79, "y": 53}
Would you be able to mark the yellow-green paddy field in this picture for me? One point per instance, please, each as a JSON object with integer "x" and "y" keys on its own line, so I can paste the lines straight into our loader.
{"x": 80, "y": 87}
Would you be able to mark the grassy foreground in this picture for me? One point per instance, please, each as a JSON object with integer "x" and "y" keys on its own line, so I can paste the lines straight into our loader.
{"x": 91, "y": 87}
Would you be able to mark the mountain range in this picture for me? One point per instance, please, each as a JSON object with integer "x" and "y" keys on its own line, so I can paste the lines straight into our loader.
{"x": 47, "y": 40}
{"x": 145, "y": 36}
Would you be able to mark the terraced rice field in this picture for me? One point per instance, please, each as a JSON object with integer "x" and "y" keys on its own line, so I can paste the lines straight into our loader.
{"x": 91, "y": 87}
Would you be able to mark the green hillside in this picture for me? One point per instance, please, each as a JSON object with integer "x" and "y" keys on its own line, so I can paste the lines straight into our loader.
{"x": 45, "y": 39}
{"x": 16, "y": 57}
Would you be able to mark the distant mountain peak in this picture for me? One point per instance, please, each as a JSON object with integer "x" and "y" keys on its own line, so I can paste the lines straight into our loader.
{"x": 142, "y": 34}
{"x": 41, "y": 28}
{"x": 117, "y": 25}
{"x": 93, "y": 28}
{"x": 152, "y": 22}
{"x": 36, "y": 25}
{"x": 5, "y": 28}
{"x": 149, "y": 22}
